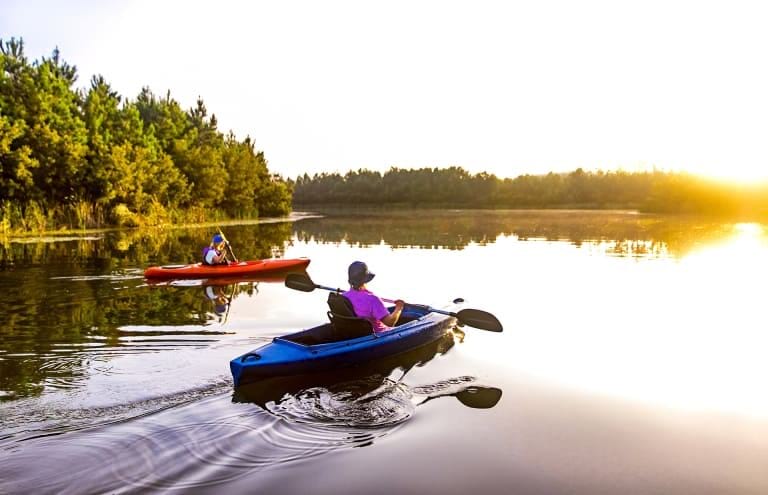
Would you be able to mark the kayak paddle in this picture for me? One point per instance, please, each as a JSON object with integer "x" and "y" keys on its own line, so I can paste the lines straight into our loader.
{"x": 472, "y": 317}
{"x": 229, "y": 246}
{"x": 476, "y": 397}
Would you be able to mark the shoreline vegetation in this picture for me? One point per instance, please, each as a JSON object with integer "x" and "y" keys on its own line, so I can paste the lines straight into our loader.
{"x": 65, "y": 233}
{"x": 78, "y": 159}
{"x": 83, "y": 160}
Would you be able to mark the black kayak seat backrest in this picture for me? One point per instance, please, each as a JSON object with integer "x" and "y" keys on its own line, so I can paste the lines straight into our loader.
{"x": 347, "y": 325}
{"x": 340, "y": 305}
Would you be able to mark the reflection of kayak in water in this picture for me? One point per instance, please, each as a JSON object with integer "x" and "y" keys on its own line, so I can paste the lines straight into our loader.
{"x": 199, "y": 270}
{"x": 339, "y": 344}
{"x": 266, "y": 277}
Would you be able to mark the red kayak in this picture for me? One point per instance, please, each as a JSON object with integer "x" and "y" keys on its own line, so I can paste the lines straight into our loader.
{"x": 199, "y": 270}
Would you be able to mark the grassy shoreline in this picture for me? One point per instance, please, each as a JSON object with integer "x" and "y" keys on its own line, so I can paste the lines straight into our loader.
{"x": 67, "y": 231}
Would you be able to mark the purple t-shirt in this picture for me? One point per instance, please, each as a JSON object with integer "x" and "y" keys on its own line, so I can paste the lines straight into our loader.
{"x": 367, "y": 305}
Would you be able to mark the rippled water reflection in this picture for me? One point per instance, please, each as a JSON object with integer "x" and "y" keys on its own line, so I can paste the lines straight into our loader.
{"x": 631, "y": 360}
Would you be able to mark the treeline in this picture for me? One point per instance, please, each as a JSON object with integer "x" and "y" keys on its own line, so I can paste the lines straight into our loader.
{"x": 89, "y": 157}
{"x": 646, "y": 191}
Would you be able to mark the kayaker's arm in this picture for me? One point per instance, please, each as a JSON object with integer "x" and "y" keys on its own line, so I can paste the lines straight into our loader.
{"x": 391, "y": 319}
{"x": 220, "y": 258}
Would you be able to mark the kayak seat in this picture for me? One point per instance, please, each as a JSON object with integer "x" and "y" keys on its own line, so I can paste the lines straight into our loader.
{"x": 340, "y": 305}
{"x": 347, "y": 325}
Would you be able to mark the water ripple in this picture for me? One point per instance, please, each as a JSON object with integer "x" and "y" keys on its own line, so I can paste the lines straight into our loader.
{"x": 387, "y": 405}
{"x": 224, "y": 449}
{"x": 193, "y": 454}
{"x": 24, "y": 421}
{"x": 209, "y": 441}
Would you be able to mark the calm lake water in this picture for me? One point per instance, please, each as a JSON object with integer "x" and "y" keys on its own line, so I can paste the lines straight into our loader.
{"x": 632, "y": 361}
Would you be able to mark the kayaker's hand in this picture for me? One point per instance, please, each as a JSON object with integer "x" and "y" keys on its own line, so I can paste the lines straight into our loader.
{"x": 399, "y": 304}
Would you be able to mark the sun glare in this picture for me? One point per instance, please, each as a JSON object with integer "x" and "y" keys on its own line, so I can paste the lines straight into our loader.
{"x": 687, "y": 330}
{"x": 740, "y": 175}
{"x": 748, "y": 230}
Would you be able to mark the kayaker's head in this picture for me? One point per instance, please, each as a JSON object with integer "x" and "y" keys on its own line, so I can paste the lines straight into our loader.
{"x": 220, "y": 306}
{"x": 359, "y": 274}
{"x": 217, "y": 240}
{"x": 218, "y": 297}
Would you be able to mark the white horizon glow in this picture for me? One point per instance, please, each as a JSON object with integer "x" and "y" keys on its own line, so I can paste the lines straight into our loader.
{"x": 504, "y": 87}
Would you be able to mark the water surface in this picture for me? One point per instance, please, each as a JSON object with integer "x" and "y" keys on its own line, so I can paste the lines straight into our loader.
{"x": 631, "y": 362}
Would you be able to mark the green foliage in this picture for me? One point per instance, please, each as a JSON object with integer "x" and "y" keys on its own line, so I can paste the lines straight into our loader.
{"x": 274, "y": 198}
{"x": 245, "y": 170}
{"x": 79, "y": 158}
{"x": 123, "y": 216}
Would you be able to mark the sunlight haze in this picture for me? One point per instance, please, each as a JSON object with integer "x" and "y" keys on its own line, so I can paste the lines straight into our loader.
{"x": 504, "y": 87}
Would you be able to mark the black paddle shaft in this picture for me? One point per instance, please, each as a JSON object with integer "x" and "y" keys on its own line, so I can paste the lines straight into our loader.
{"x": 471, "y": 317}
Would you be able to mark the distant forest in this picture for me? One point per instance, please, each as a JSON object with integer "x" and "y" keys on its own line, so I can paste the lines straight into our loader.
{"x": 659, "y": 192}
{"x": 82, "y": 158}
{"x": 88, "y": 158}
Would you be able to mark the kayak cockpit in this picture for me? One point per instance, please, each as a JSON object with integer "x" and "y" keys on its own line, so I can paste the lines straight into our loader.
{"x": 323, "y": 334}
{"x": 343, "y": 328}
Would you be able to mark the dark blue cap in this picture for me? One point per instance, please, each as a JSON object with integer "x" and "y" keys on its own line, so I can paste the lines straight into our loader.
{"x": 217, "y": 239}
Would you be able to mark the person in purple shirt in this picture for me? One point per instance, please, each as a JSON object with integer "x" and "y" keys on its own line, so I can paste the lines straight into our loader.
{"x": 366, "y": 304}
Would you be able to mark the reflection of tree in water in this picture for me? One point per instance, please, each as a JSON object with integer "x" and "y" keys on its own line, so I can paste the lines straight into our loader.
{"x": 397, "y": 230}
{"x": 112, "y": 250}
{"x": 42, "y": 324}
{"x": 62, "y": 299}
{"x": 619, "y": 233}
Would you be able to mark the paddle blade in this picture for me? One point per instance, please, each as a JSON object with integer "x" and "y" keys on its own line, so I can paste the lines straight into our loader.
{"x": 299, "y": 281}
{"x": 479, "y": 319}
{"x": 479, "y": 397}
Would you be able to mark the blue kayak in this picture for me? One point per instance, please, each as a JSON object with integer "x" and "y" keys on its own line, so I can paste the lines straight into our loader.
{"x": 340, "y": 343}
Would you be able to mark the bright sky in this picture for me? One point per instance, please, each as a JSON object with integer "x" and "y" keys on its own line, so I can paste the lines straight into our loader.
{"x": 507, "y": 87}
